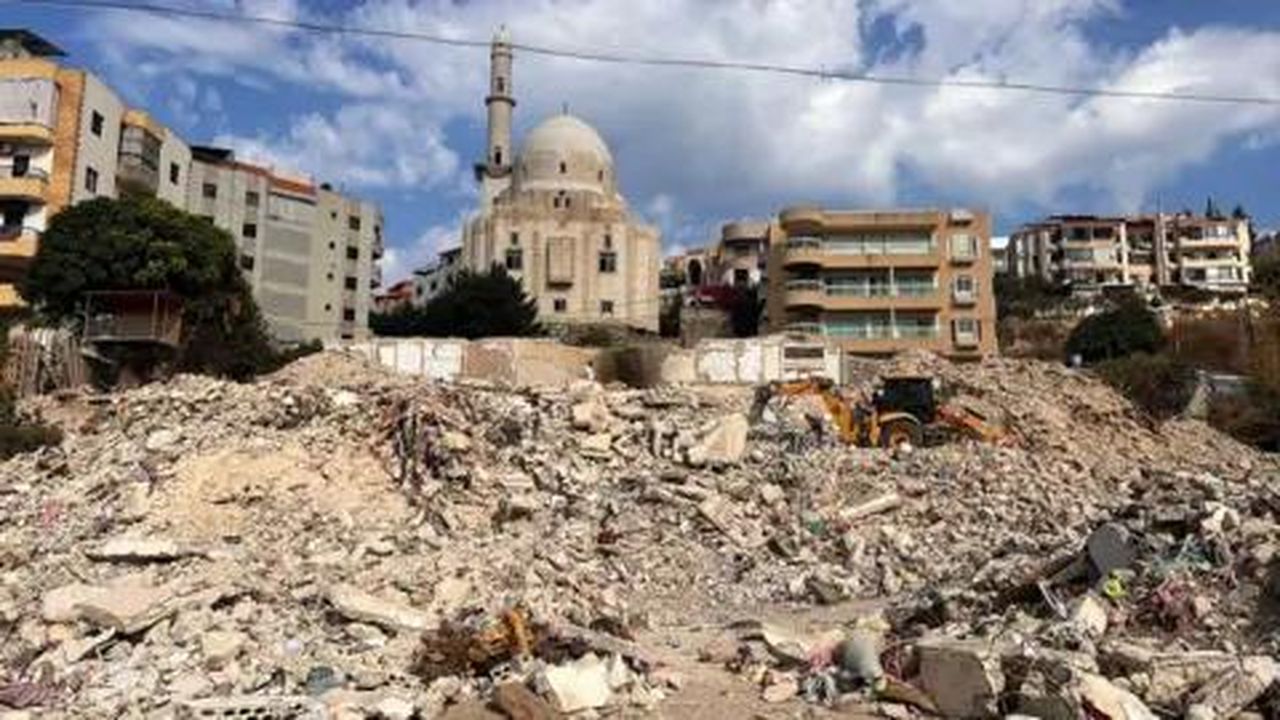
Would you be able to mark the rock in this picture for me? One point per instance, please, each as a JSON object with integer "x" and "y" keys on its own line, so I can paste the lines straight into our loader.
{"x": 962, "y": 677}
{"x": 394, "y": 708}
{"x": 591, "y": 415}
{"x": 220, "y": 647}
{"x": 355, "y": 604}
{"x": 160, "y": 440}
{"x": 780, "y": 687}
{"x": 877, "y": 505}
{"x": 60, "y": 604}
{"x": 577, "y": 685}
{"x": 454, "y": 441}
{"x": 1233, "y": 691}
{"x": 771, "y": 494}
{"x": 367, "y": 637}
{"x": 128, "y": 607}
{"x": 517, "y": 702}
{"x": 725, "y": 444}
{"x": 132, "y": 549}
{"x": 859, "y": 655}
{"x": 1102, "y": 699}
{"x": 1172, "y": 676}
{"x": 720, "y": 512}
{"x": 1110, "y": 548}
{"x": 1090, "y": 616}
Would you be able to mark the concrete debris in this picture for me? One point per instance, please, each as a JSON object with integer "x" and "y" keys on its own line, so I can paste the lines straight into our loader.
{"x": 579, "y": 685}
{"x": 355, "y": 604}
{"x": 340, "y": 539}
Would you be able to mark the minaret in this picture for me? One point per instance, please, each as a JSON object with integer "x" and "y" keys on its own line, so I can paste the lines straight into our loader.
{"x": 495, "y": 172}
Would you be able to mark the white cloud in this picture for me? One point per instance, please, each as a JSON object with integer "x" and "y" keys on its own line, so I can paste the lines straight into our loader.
{"x": 362, "y": 145}
{"x": 719, "y": 144}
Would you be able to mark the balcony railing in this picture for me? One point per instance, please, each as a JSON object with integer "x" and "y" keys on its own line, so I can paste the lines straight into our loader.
{"x": 869, "y": 291}
{"x": 804, "y": 285}
{"x": 13, "y": 171}
{"x": 804, "y": 243}
{"x": 804, "y": 328}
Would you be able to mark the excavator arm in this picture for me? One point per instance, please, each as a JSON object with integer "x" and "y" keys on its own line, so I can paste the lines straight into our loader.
{"x": 840, "y": 410}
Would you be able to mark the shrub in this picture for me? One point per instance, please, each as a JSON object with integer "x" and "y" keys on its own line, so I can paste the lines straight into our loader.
{"x": 1253, "y": 417}
{"x": 474, "y": 305}
{"x": 1159, "y": 384}
{"x": 1128, "y": 328}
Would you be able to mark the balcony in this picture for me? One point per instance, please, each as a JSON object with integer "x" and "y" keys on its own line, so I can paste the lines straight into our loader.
{"x": 803, "y": 217}
{"x": 803, "y": 251}
{"x": 31, "y": 184}
{"x": 901, "y": 296}
{"x": 27, "y": 132}
{"x": 805, "y": 293}
{"x": 804, "y": 328}
{"x": 963, "y": 297}
{"x": 17, "y": 248}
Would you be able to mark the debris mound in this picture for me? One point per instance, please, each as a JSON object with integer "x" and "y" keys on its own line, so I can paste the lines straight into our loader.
{"x": 337, "y": 537}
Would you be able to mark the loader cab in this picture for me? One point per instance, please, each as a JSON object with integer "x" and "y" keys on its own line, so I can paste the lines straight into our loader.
{"x": 913, "y": 395}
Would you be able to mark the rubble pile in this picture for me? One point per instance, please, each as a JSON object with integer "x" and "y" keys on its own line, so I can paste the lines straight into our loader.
{"x": 340, "y": 538}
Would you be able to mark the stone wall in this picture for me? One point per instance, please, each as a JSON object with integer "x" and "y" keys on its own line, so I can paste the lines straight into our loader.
{"x": 525, "y": 361}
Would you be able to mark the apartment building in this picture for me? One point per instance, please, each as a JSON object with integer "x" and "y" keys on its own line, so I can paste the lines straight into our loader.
{"x": 309, "y": 253}
{"x": 431, "y": 280}
{"x": 65, "y": 137}
{"x": 1093, "y": 253}
{"x": 741, "y": 256}
{"x": 881, "y": 282}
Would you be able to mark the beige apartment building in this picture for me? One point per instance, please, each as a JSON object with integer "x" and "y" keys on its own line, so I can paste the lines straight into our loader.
{"x": 553, "y": 216}
{"x": 1093, "y": 253}
{"x": 741, "y": 258}
{"x": 309, "y": 253}
{"x": 65, "y": 137}
{"x": 881, "y": 282}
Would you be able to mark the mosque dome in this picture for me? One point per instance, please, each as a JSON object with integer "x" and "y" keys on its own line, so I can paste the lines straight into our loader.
{"x": 565, "y": 153}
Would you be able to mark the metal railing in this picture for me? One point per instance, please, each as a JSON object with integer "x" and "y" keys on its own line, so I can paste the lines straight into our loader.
{"x": 804, "y": 285}
{"x": 12, "y": 170}
{"x": 804, "y": 328}
{"x": 803, "y": 243}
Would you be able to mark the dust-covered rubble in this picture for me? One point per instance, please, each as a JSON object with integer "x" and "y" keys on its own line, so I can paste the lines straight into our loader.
{"x": 340, "y": 539}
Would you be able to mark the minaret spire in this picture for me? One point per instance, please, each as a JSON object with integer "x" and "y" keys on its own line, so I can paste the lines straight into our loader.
{"x": 501, "y": 104}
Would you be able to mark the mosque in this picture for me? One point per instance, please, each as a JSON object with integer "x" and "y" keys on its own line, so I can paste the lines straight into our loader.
{"x": 553, "y": 216}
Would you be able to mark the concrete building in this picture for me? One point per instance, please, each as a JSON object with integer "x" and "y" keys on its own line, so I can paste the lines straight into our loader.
{"x": 398, "y": 296}
{"x": 741, "y": 258}
{"x": 432, "y": 280}
{"x": 881, "y": 282}
{"x": 309, "y": 253}
{"x": 1093, "y": 253}
{"x": 65, "y": 137}
{"x": 553, "y": 216}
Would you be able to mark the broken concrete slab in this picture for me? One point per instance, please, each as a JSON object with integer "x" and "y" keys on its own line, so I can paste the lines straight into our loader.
{"x": 874, "y": 506}
{"x": 355, "y": 604}
{"x": 721, "y": 513}
{"x": 1090, "y": 616}
{"x": 1103, "y": 698}
{"x": 138, "y": 550}
{"x": 127, "y": 607}
{"x": 579, "y": 685}
{"x": 724, "y": 444}
{"x": 60, "y": 604}
{"x": 963, "y": 677}
{"x": 1234, "y": 690}
{"x": 220, "y": 647}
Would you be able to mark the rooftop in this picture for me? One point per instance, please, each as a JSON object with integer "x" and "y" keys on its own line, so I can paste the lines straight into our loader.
{"x": 32, "y": 43}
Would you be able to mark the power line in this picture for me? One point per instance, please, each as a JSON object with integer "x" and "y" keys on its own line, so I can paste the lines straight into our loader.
{"x": 622, "y": 58}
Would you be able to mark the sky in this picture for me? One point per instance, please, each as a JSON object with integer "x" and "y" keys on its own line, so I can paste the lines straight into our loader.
{"x": 401, "y": 122}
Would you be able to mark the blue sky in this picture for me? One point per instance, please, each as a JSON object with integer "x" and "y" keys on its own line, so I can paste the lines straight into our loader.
{"x": 401, "y": 122}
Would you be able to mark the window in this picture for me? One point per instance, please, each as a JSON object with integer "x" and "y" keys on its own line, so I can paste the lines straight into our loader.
{"x": 332, "y": 246}
{"x": 351, "y": 283}
{"x": 21, "y": 164}
{"x": 210, "y": 191}
{"x": 330, "y": 277}
{"x": 497, "y": 156}
{"x": 515, "y": 259}
{"x": 349, "y": 314}
{"x": 560, "y": 305}
{"x": 96, "y": 122}
{"x": 606, "y": 307}
{"x": 250, "y": 230}
{"x": 564, "y": 168}
{"x": 246, "y": 262}
{"x": 964, "y": 284}
{"x": 91, "y": 180}
{"x": 251, "y": 198}
{"x": 353, "y": 253}
{"x": 328, "y": 307}
{"x": 966, "y": 330}
{"x": 502, "y": 85}
{"x": 515, "y": 238}
{"x": 353, "y": 222}
{"x": 175, "y": 173}
{"x": 608, "y": 242}
{"x": 555, "y": 201}
{"x": 741, "y": 277}
{"x": 608, "y": 262}
{"x": 600, "y": 175}
{"x": 964, "y": 247}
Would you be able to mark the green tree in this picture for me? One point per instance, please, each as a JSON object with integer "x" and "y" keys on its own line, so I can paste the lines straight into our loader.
{"x": 142, "y": 243}
{"x": 474, "y": 305}
{"x": 1266, "y": 275}
{"x": 1024, "y": 297}
{"x": 1239, "y": 213}
{"x": 1128, "y": 328}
